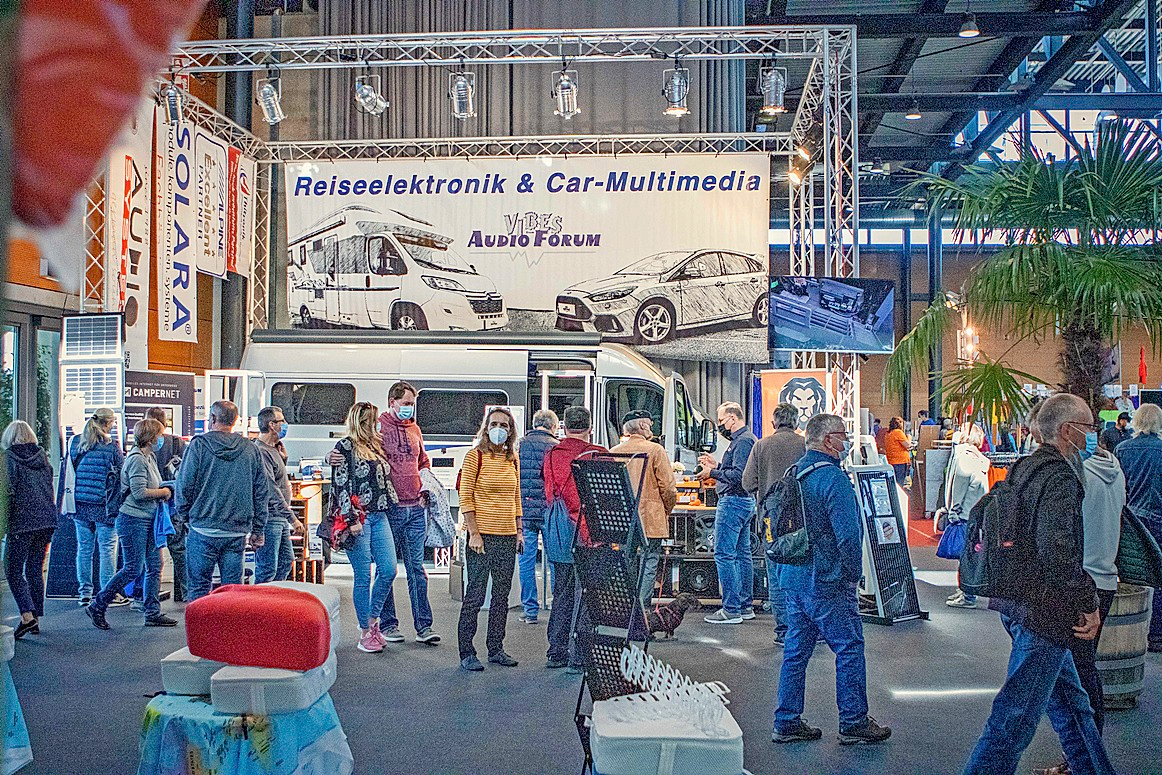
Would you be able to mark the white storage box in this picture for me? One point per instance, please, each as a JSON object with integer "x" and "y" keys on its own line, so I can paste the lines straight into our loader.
{"x": 7, "y": 643}
{"x": 328, "y": 596}
{"x": 265, "y": 690}
{"x": 183, "y": 673}
{"x": 665, "y": 746}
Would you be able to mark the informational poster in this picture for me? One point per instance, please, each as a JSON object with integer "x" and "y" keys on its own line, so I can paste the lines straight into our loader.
{"x": 177, "y": 288}
{"x": 881, "y": 498}
{"x": 128, "y": 209}
{"x": 172, "y": 391}
{"x": 666, "y": 252}
{"x": 212, "y": 185}
{"x": 242, "y": 174}
{"x": 808, "y": 390}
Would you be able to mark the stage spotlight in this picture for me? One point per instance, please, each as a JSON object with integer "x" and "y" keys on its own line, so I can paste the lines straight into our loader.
{"x": 462, "y": 92}
{"x": 368, "y": 97}
{"x": 677, "y": 87}
{"x": 270, "y": 100}
{"x": 171, "y": 98}
{"x": 565, "y": 93}
{"x": 773, "y": 86}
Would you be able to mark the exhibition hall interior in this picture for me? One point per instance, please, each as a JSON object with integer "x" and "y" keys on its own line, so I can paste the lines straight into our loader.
{"x": 685, "y": 387}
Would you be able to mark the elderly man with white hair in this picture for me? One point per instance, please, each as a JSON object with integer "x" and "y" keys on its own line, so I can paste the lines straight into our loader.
{"x": 1058, "y": 607}
{"x": 659, "y": 491}
{"x": 1141, "y": 460}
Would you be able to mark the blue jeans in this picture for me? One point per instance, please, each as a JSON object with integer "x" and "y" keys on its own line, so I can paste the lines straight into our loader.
{"x": 653, "y": 550}
{"x": 832, "y": 612}
{"x": 90, "y": 536}
{"x": 272, "y": 561}
{"x": 203, "y": 553}
{"x": 1041, "y": 676}
{"x": 375, "y": 544}
{"x": 141, "y": 552}
{"x": 408, "y": 526}
{"x": 777, "y": 598}
{"x": 732, "y": 552}
{"x": 527, "y": 561}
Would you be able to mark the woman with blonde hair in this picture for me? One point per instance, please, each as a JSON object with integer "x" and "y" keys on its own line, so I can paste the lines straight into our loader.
{"x": 361, "y": 495}
{"x": 141, "y": 486}
{"x": 93, "y": 462}
{"x": 490, "y": 503}
{"x": 31, "y": 522}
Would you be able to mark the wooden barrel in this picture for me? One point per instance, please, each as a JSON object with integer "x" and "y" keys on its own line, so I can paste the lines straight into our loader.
{"x": 1121, "y": 652}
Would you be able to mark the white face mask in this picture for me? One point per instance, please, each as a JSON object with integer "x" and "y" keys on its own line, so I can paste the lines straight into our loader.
{"x": 498, "y": 435}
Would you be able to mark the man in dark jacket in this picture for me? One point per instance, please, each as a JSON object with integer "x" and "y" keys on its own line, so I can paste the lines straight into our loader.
{"x": 821, "y": 595}
{"x": 732, "y": 552}
{"x": 1061, "y": 605}
{"x": 533, "y": 447}
{"x": 769, "y": 461}
{"x": 1141, "y": 460}
{"x": 222, "y": 494}
{"x": 1112, "y": 437}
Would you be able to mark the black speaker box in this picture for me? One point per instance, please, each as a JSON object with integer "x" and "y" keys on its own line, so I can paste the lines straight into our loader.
{"x": 699, "y": 577}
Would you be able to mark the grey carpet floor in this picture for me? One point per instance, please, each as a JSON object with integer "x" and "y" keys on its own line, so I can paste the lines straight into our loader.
{"x": 410, "y": 711}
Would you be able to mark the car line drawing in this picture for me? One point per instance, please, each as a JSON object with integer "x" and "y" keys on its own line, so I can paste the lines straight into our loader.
{"x": 652, "y": 299}
{"x": 366, "y": 269}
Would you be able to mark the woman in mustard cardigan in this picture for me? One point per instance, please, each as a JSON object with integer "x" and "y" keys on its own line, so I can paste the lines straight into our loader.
{"x": 491, "y": 506}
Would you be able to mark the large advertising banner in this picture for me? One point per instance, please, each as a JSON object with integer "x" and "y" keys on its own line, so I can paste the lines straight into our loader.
{"x": 177, "y": 288}
{"x": 128, "y": 209}
{"x": 212, "y": 186}
{"x": 667, "y": 252}
{"x": 242, "y": 173}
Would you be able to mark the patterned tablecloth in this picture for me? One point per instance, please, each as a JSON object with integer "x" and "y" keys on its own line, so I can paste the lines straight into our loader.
{"x": 185, "y": 736}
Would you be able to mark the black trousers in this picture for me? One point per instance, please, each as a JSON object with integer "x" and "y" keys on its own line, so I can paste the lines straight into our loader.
{"x": 498, "y": 562}
{"x": 568, "y": 617}
{"x": 1085, "y": 658}
{"x": 24, "y": 567}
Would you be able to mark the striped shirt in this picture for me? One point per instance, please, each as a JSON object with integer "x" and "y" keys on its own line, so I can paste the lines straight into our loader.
{"x": 490, "y": 486}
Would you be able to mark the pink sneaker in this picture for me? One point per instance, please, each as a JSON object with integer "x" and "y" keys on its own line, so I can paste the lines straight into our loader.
{"x": 379, "y": 635}
{"x": 371, "y": 641}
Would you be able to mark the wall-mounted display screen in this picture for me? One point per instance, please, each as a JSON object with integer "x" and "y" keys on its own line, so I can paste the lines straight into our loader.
{"x": 838, "y": 314}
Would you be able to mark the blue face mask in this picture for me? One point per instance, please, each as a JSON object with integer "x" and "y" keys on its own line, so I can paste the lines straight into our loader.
{"x": 158, "y": 444}
{"x": 282, "y": 429}
{"x": 406, "y": 412}
{"x": 1090, "y": 445}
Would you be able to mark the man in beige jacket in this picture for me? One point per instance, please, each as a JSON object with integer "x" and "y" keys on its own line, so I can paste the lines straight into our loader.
{"x": 659, "y": 493}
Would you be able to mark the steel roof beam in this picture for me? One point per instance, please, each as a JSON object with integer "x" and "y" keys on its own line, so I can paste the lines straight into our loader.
{"x": 1129, "y": 102}
{"x": 1121, "y": 65}
{"x": 930, "y": 22}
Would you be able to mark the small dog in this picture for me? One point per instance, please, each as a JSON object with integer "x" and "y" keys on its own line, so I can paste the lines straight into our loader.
{"x": 668, "y": 617}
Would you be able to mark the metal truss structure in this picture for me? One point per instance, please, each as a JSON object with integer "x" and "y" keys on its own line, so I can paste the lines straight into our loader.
{"x": 501, "y": 47}
{"x": 92, "y": 283}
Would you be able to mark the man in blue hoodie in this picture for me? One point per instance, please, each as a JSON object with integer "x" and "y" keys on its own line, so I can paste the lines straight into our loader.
{"x": 222, "y": 495}
{"x": 821, "y": 594}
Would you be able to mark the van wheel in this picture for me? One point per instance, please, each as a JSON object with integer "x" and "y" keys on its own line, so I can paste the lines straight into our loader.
{"x": 654, "y": 322}
{"x": 761, "y": 315}
{"x": 408, "y": 317}
{"x": 306, "y": 321}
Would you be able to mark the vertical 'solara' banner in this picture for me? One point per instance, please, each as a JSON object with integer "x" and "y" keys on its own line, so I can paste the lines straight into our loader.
{"x": 177, "y": 289}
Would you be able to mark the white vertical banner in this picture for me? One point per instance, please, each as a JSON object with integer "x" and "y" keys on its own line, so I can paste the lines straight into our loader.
{"x": 128, "y": 208}
{"x": 177, "y": 288}
{"x": 240, "y": 208}
{"x": 212, "y": 184}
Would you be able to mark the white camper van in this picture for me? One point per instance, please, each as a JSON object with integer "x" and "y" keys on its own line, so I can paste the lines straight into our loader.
{"x": 362, "y": 268}
{"x": 316, "y": 376}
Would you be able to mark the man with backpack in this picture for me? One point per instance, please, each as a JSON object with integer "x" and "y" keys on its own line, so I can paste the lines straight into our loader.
{"x": 1030, "y": 528}
{"x": 821, "y": 590}
{"x": 769, "y": 461}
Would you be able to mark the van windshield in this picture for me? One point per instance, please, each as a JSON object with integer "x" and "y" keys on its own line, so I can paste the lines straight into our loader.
{"x": 433, "y": 254}
{"x": 655, "y": 264}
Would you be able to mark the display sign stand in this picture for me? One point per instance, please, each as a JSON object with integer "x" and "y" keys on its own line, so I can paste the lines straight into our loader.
{"x": 887, "y": 563}
{"x": 609, "y": 573}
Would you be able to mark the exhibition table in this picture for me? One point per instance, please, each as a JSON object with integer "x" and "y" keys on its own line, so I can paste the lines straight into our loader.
{"x": 185, "y": 736}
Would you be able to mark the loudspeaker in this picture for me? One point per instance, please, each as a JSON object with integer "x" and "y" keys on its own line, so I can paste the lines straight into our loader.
{"x": 761, "y": 587}
{"x": 699, "y": 577}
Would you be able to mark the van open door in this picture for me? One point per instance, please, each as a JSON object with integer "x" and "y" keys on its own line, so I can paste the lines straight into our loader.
{"x": 558, "y": 389}
{"x": 682, "y": 434}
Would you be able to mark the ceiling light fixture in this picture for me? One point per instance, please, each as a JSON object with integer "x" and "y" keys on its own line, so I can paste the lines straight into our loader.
{"x": 877, "y": 167}
{"x": 270, "y": 100}
{"x": 675, "y": 90}
{"x": 565, "y": 93}
{"x": 368, "y": 97}
{"x": 773, "y": 87}
{"x": 914, "y": 113}
{"x": 803, "y": 151}
{"x": 968, "y": 25}
{"x": 462, "y": 93}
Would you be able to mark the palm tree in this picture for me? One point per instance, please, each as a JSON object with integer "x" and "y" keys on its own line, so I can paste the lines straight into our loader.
{"x": 1081, "y": 258}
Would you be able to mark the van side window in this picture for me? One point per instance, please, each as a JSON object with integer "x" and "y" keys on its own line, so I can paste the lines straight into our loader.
{"x": 313, "y": 403}
{"x": 624, "y": 396}
{"x": 384, "y": 258}
{"x": 454, "y": 412}
{"x": 687, "y": 429}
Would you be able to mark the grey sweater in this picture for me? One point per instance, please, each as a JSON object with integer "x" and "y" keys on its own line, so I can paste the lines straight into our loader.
{"x": 280, "y": 491}
{"x": 770, "y": 459}
{"x": 138, "y": 473}
{"x": 222, "y": 486}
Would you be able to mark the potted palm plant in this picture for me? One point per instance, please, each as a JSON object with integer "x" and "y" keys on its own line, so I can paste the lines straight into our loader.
{"x": 1080, "y": 259}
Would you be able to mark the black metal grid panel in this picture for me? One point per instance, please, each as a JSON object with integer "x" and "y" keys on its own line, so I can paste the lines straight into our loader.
{"x": 897, "y": 585}
{"x": 607, "y": 500}
{"x": 609, "y": 590}
{"x": 603, "y": 674}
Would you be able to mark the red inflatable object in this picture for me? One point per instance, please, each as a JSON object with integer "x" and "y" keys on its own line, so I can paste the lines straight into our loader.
{"x": 259, "y": 626}
{"x": 81, "y": 68}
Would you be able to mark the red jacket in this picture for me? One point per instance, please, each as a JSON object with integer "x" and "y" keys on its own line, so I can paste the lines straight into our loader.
{"x": 404, "y": 446}
{"x": 559, "y": 476}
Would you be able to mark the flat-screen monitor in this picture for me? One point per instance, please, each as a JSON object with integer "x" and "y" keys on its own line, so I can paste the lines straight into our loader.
{"x": 836, "y": 314}
{"x": 1149, "y": 397}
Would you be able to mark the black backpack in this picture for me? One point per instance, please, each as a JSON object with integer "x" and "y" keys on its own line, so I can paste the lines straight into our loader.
{"x": 1000, "y": 542}
{"x": 115, "y": 494}
{"x": 786, "y": 518}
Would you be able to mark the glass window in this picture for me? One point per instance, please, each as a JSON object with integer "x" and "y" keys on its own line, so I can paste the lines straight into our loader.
{"x": 687, "y": 426}
{"x": 48, "y": 345}
{"x": 703, "y": 265}
{"x": 384, "y": 258}
{"x": 735, "y": 263}
{"x": 8, "y": 375}
{"x": 624, "y": 396}
{"x": 454, "y": 412}
{"x": 313, "y": 403}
